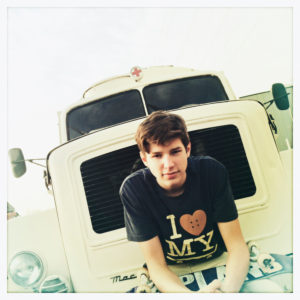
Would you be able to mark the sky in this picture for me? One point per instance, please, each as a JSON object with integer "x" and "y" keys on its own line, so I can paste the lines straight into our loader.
{"x": 55, "y": 54}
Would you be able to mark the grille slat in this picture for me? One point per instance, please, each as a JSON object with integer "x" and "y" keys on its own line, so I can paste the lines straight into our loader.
{"x": 109, "y": 209}
{"x": 103, "y": 175}
{"x": 107, "y": 221}
{"x": 54, "y": 284}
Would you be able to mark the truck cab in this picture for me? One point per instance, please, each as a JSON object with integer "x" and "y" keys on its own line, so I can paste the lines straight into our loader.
{"x": 97, "y": 151}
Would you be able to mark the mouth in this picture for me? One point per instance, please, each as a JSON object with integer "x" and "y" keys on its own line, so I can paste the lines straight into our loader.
{"x": 170, "y": 175}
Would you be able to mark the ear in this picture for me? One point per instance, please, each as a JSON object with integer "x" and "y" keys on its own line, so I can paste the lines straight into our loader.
{"x": 143, "y": 158}
{"x": 188, "y": 149}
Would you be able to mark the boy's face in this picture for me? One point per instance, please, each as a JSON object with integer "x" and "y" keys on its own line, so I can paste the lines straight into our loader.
{"x": 168, "y": 164}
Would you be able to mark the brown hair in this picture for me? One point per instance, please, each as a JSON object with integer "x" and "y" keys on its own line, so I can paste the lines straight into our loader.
{"x": 159, "y": 128}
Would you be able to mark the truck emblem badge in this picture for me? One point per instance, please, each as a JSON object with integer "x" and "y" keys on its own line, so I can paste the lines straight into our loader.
{"x": 119, "y": 278}
{"x": 136, "y": 73}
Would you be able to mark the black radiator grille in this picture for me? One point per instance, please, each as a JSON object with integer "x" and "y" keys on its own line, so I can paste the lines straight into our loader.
{"x": 224, "y": 144}
{"x": 103, "y": 175}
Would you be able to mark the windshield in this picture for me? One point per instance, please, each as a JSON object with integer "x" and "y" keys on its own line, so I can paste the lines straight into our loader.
{"x": 128, "y": 105}
{"x": 104, "y": 112}
{"x": 182, "y": 92}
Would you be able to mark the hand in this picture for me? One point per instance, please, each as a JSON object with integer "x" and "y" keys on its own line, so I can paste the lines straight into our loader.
{"x": 226, "y": 287}
{"x": 213, "y": 287}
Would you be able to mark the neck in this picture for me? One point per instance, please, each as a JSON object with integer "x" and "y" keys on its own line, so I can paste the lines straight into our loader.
{"x": 175, "y": 193}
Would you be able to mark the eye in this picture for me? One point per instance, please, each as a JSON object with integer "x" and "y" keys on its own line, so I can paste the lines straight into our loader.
{"x": 156, "y": 155}
{"x": 176, "y": 151}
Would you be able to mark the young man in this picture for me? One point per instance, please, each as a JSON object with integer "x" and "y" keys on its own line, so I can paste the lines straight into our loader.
{"x": 180, "y": 208}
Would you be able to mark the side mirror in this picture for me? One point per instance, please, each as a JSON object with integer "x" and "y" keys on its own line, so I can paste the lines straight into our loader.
{"x": 17, "y": 161}
{"x": 280, "y": 96}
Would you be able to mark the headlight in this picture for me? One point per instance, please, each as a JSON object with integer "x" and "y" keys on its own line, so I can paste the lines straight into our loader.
{"x": 26, "y": 269}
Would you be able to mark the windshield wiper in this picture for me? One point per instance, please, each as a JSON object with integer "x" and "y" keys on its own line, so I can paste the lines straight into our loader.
{"x": 77, "y": 130}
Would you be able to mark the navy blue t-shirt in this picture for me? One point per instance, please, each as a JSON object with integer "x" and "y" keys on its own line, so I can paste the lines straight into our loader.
{"x": 187, "y": 224}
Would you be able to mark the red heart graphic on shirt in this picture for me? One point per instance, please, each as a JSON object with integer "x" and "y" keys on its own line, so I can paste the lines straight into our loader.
{"x": 194, "y": 224}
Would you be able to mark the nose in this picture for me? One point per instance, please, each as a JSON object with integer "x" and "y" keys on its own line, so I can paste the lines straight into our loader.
{"x": 168, "y": 162}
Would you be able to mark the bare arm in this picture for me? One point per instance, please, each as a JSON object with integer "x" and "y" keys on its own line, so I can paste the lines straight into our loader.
{"x": 165, "y": 279}
{"x": 237, "y": 264}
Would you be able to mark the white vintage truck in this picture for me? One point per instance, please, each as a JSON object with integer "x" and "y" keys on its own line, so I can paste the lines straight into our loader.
{"x": 81, "y": 245}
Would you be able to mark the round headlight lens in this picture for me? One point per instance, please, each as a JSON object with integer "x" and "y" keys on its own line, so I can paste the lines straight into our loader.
{"x": 26, "y": 269}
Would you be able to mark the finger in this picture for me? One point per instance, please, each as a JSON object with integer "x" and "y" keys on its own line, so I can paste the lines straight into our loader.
{"x": 215, "y": 284}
